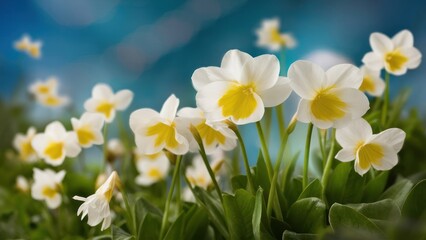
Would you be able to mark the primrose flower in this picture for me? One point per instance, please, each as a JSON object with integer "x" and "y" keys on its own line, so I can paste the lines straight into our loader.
{"x": 198, "y": 174}
{"x": 22, "y": 184}
{"x": 46, "y": 93}
{"x": 22, "y": 144}
{"x": 32, "y": 48}
{"x": 396, "y": 55}
{"x": 372, "y": 83}
{"x": 104, "y": 101}
{"x": 115, "y": 147}
{"x": 152, "y": 168}
{"x": 47, "y": 186}
{"x": 269, "y": 36}
{"x": 96, "y": 206}
{"x": 213, "y": 134}
{"x": 157, "y": 131}
{"x": 55, "y": 144}
{"x": 89, "y": 129}
{"x": 328, "y": 99}
{"x": 241, "y": 88}
{"x": 369, "y": 150}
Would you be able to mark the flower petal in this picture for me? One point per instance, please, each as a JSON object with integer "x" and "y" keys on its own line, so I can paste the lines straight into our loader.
{"x": 306, "y": 78}
{"x": 102, "y": 91}
{"x": 207, "y": 100}
{"x": 389, "y": 160}
{"x": 122, "y": 99}
{"x": 203, "y": 76}
{"x": 169, "y": 109}
{"x": 414, "y": 57}
{"x": 346, "y": 155}
{"x": 303, "y": 112}
{"x": 277, "y": 94}
{"x": 373, "y": 60}
{"x": 344, "y": 76}
{"x": 263, "y": 71}
{"x": 391, "y": 137}
{"x": 355, "y": 132}
{"x": 233, "y": 61}
{"x": 381, "y": 43}
{"x": 403, "y": 39}
{"x": 141, "y": 117}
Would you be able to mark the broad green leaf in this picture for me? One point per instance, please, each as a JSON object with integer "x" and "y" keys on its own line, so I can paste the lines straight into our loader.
{"x": 293, "y": 190}
{"x": 260, "y": 222}
{"x": 176, "y": 230}
{"x": 346, "y": 219}
{"x": 288, "y": 235}
{"x": 196, "y": 223}
{"x": 314, "y": 189}
{"x": 239, "y": 212}
{"x": 398, "y": 192}
{"x": 307, "y": 215}
{"x": 150, "y": 227}
{"x": 142, "y": 208}
{"x": 239, "y": 182}
{"x": 119, "y": 234}
{"x": 261, "y": 176}
{"x": 344, "y": 185}
{"x": 375, "y": 187}
{"x": 415, "y": 205}
{"x": 382, "y": 210}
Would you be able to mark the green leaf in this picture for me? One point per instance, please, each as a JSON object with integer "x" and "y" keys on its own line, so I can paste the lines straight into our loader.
{"x": 346, "y": 219}
{"x": 381, "y": 210}
{"x": 119, "y": 234}
{"x": 239, "y": 212}
{"x": 293, "y": 190}
{"x": 239, "y": 182}
{"x": 345, "y": 185}
{"x": 142, "y": 208}
{"x": 150, "y": 227}
{"x": 415, "y": 204}
{"x": 175, "y": 231}
{"x": 260, "y": 222}
{"x": 288, "y": 235}
{"x": 261, "y": 175}
{"x": 307, "y": 215}
{"x": 375, "y": 187}
{"x": 398, "y": 192}
{"x": 314, "y": 189}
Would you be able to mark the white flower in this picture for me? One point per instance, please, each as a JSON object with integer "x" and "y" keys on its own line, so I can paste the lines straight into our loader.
{"x": 104, "y": 101}
{"x": 53, "y": 100}
{"x": 115, "y": 147}
{"x": 89, "y": 129}
{"x": 328, "y": 99}
{"x": 269, "y": 36}
{"x": 46, "y": 93}
{"x": 372, "y": 83}
{"x": 241, "y": 88}
{"x": 55, "y": 144}
{"x": 198, "y": 174}
{"x": 213, "y": 134}
{"x": 396, "y": 55}
{"x": 22, "y": 184}
{"x": 157, "y": 131}
{"x": 369, "y": 150}
{"x": 22, "y": 144}
{"x": 152, "y": 168}
{"x": 47, "y": 185}
{"x": 96, "y": 206}
{"x": 32, "y": 48}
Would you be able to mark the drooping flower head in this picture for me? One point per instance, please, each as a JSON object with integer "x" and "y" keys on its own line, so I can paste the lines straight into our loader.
{"x": 372, "y": 83}
{"x": 215, "y": 135}
{"x": 47, "y": 186}
{"x": 152, "y": 168}
{"x": 22, "y": 144}
{"x": 369, "y": 150}
{"x": 105, "y": 102}
{"x": 26, "y": 45}
{"x": 157, "y": 131}
{"x": 241, "y": 88}
{"x": 55, "y": 144}
{"x": 328, "y": 99}
{"x": 396, "y": 55}
{"x": 96, "y": 206}
{"x": 89, "y": 129}
{"x": 269, "y": 36}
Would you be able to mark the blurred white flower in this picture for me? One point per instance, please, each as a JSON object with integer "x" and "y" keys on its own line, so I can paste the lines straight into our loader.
{"x": 46, "y": 93}
{"x": 241, "y": 88}
{"x": 55, "y": 144}
{"x": 215, "y": 135}
{"x": 396, "y": 55}
{"x": 47, "y": 185}
{"x": 269, "y": 36}
{"x": 198, "y": 174}
{"x": 115, "y": 147}
{"x": 89, "y": 129}
{"x": 96, "y": 206}
{"x": 22, "y": 144}
{"x": 22, "y": 184}
{"x": 372, "y": 83}
{"x": 152, "y": 168}
{"x": 26, "y": 45}
{"x": 157, "y": 131}
{"x": 369, "y": 150}
{"x": 104, "y": 101}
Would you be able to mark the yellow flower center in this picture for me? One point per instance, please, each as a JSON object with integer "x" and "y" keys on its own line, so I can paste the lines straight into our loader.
{"x": 52, "y": 101}
{"x": 367, "y": 84}
{"x": 85, "y": 135}
{"x": 34, "y": 51}
{"x": 26, "y": 150}
{"x": 395, "y": 60}
{"x": 22, "y": 45}
{"x": 239, "y": 101}
{"x": 276, "y": 37}
{"x": 369, "y": 153}
{"x": 49, "y": 192}
{"x": 54, "y": 150}
{"x": 154, "y": 156}
{"x": 105, "y": 108}
{"x": 164, "y": 134}
{"x": 327, "y": 106}
{"x": 209, "y": 134}
{"x": 43, "y": 89}
{"x": 154, "y": 173}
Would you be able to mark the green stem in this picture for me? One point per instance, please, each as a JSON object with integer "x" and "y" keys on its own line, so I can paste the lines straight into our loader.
{"x": 246, "y": 161}
{"x": 132, "y": 224}
{"x": 306, "y": 159}
{"x": 105, "y": 149}
{"x": 330, "y": 158}
{"x": 170, "y": 196}
{"x": 280, "y": 119}
{"x": 268, "y": 123}
{"x": 386, "y": 101}
{"x": 265, "y": 150}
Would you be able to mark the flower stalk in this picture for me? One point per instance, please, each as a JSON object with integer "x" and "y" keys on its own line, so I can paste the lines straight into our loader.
{"x": 307, "y": 152}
